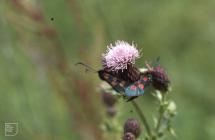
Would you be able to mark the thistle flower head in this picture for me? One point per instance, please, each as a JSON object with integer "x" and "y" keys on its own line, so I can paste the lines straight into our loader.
{"x": 132, "y": 126}
{"x": 119, "y": 56}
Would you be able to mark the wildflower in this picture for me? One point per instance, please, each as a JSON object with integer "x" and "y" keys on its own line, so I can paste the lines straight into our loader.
{"x": 132, "y": 126}
{"x": 119, "y": 56}
{"x": 120, "y": 60}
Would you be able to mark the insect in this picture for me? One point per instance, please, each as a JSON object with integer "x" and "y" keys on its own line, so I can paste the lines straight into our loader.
{"x": 137, "y": 88}
{"x": 128, "y": 89}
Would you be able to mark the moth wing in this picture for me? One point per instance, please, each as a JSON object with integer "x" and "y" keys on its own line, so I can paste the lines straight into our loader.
{"x": 138, "y": 87}
{"x": 133, "y": 90}
{"x": 116, "y": 83}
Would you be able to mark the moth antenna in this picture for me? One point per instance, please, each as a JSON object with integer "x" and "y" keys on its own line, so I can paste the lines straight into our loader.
{"x": 87, "y": 68}
{"x": 148, "y": 66}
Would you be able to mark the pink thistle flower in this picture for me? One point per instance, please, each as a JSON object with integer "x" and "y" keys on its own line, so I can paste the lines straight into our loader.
{"x": 121, "y": 55}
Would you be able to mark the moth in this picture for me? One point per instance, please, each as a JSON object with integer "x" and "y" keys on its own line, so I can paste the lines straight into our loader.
{"x": 129, "y": 90}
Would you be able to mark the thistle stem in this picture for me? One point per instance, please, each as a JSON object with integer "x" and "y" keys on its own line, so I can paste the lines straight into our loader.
{"x": 143, "y": 118}
{"x": 159, "y": 122}
{"x": 161, "y": 114}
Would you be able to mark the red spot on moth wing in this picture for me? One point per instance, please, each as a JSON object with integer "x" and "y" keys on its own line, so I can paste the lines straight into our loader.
{"x": 141, "y": 86}
{"x": 145, "y": 78}
{"x": 133, "y": 87}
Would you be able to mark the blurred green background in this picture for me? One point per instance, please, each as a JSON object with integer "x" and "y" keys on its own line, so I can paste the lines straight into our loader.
{"x": 51, "y": 99}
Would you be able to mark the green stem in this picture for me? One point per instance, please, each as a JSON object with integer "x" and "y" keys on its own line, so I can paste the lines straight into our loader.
{"x": 159, "y": 121}
{"x": 161, "y": 114}
{"x": 143, "y": 118}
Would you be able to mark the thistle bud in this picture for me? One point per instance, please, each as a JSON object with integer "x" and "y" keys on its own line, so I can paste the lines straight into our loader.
{"x": 172, "y": 108}
{"x": 132, "y": 126}
{"x": 111, "y": 111}
{"x": 160, "y": 79}
{"x": 108, "y": 99}
{"x": 128, "y": 136}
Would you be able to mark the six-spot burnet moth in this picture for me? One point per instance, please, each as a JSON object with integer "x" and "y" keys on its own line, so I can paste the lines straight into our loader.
{"x": 128, "y": 89}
